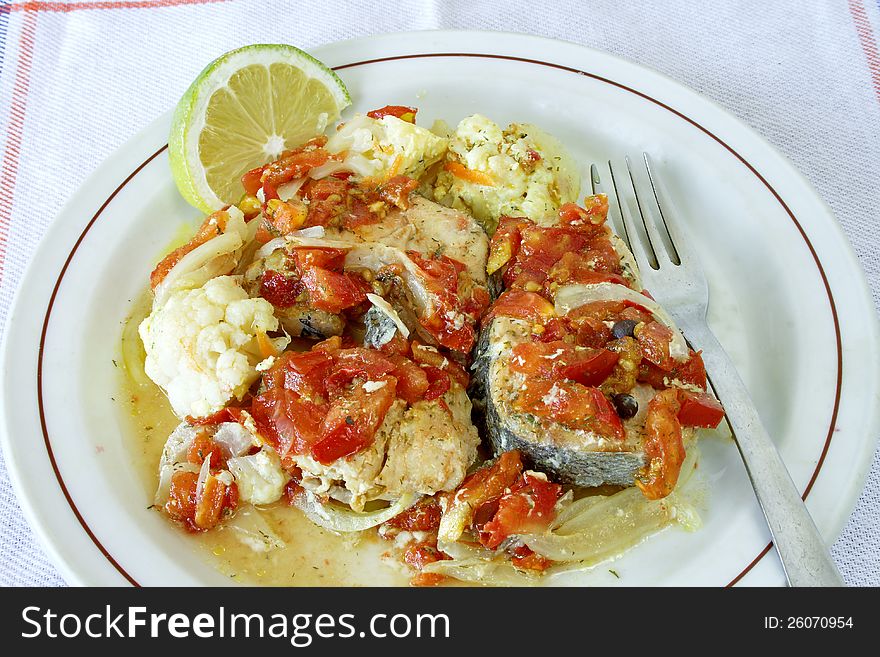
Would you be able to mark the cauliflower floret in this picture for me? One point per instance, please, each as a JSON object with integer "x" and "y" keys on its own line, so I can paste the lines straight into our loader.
{"x": 201, "y": 345}
{"x": 386, "y": 146}
{"x": 529, "y": 172}
{"x": 259, "y": 477}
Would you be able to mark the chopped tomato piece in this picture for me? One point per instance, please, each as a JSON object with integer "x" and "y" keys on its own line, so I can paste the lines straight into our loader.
{"x": 663, "y": 446}
{"x": 326, "y": 258}
{"x": 419, "y": 555}
{"x": 488, "y": 483}
{"x": 451, "y": 329}
{"x": 555, "y": 360}
{"x": 332, "y": 291}
{"x": 589, "y": 368}
{"x": 251, "y": 181}
{"x": 181, "y": 504}
{"x": 597, "y": 205}
{"x": 402, "y": 112}
{"x": 442, "y": 269}
{"x": 520, "y": 305}
{"x": 199, "y": 510}
{"x": 412, "y": 381}
{"x": 202, "y": 448}
{"x": 264, "y": 232}
{"x": 573, "y": 405}
{"x": 296, "y": 163}
{"x": 523, "y": 557}
{"x": 286, "y": 217}
{"x": 540, "y": 249}
{"x": 528, "y": 508}
{"x": 329, "y": 402}
{"x": 424, "y": 516}
{"x": 587, "y": 268}
{"x": 654, "y": 339}
{"x": 352, "y": 421}
{"x": 439, "y": 383}
{"x": 305, "y": 373}
{"x": 397, "y": 345}
{"x": 396, "y": 191}
{"x": 429, "y": 355}
{"x": 280, "y": 290}
{"x": 325, "y": 189}
{"x": 427, "y": 579}
{"x": 699, "y": 410}
{"x": 350, "y": 364}
{"x": 594, "y": 212}
{"x": 287, "y": 421}
{"x": 359, "y": 213}
{"x": 210, "y": 503}
{"x": 228, "y": 414}
{"x": 478, "y": 303}
{"x": 213, "y": 225}
{"x": 691, "y": 371}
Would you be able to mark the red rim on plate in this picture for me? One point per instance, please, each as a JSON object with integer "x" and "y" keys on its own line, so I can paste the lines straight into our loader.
{"x": 113, "y": 561}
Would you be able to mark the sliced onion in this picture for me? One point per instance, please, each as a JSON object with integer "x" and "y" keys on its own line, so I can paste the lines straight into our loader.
{"x": 576, "y": 509}
{"x": 497, "y": 572}
{"x": 386, "y": 308}
{"x": 288, "y": 190}
{"x": 327, "y": 169}
{"x": 569, "y": 297}
{"x": 462, "y": 551}
{"x": 174, "y": 459}
{"x": 606, "y": 530}
{"x": 605, "y": 526}
{"x": 234, "y": 438}
{"x": 204, "y": 473}
{"x": 270, "y": 247}
{"x": 315, "y": 232}
{"x": 215, "y": 257}
{"x": 133, "y": 353}
{"x": 627, "y": 261}
{"x": 338, "y": 519}
{"x": 252, "y": 529}
{"x": 166, "y": 472}
{"x": 312, "y": 232}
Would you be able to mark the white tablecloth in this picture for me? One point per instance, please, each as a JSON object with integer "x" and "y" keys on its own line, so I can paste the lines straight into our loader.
{"x": 77, "y": 79}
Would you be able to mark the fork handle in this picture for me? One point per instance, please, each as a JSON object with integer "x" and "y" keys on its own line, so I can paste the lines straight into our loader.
{"x": 804, "y": 554}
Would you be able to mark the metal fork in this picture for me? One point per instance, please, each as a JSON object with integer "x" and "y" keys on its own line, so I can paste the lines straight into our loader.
{"x": 671, "y": 271}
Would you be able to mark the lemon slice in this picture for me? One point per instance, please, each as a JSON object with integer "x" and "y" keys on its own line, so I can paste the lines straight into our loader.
{"x": 241, "y": 112}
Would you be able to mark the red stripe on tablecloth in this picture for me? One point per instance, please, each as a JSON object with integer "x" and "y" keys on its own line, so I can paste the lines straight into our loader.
{"x": 9, "y": 168}
{"x": 867, "y": 40}
{"x": 65, "y": 7}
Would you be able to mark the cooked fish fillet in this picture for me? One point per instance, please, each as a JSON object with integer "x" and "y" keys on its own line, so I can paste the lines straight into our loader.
{"x": 421, "y": 449}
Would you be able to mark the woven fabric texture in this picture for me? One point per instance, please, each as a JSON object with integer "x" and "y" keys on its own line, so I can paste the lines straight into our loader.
{"x": 77, "y": 79}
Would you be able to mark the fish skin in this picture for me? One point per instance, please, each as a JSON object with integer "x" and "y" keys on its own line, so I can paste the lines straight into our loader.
{"x": 581, "y": 467}
{"x": 495, "y": 285}
{"x": 379, "y": 328}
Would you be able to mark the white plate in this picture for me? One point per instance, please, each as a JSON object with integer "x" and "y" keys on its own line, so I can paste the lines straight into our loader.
{"x": 789, "y": 302}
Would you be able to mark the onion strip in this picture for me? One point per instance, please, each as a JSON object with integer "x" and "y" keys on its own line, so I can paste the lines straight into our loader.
{"x": 339, "y": 519}
{"x": 569, "y": 297}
